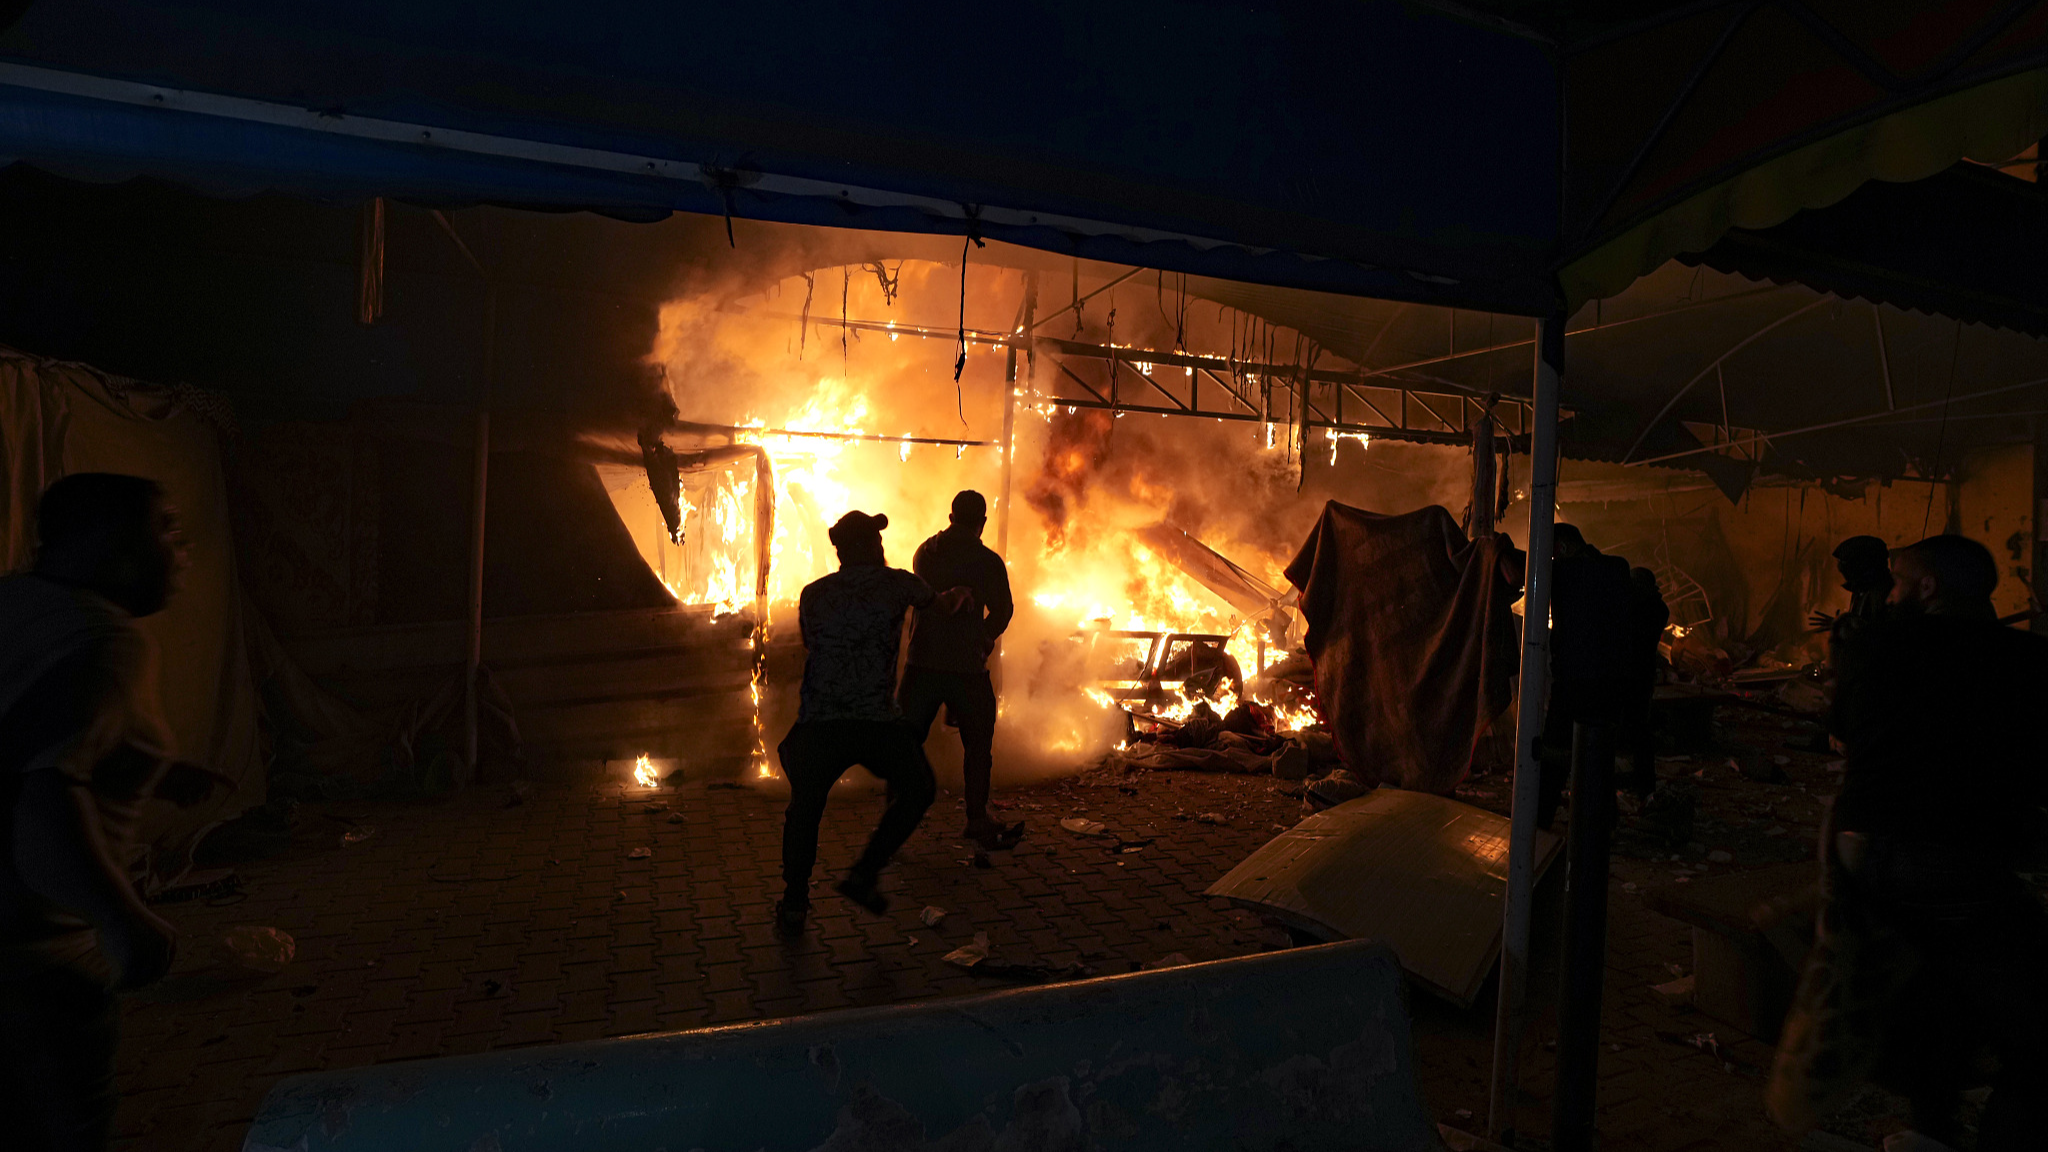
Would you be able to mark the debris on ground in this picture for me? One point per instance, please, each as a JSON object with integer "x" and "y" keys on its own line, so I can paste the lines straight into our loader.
{"x": 651, "y": 809}
{"x": 639, "y": 853}
{"x": 931, "y": 916}
{"x": 982, "y": 860}
{"x": 200, "y": 884}
{"x": 1083, "y": 827}
{"x": 257, "y": 948}
{"x": 1210, "y": 818}
{"x": 1708, "y": 1044}
{"x": 1291, "y": 762}
{"x": 1675, "y": 993}
{"x": 359, "y": 834}
{"x": 675, "y": 818}
{"x": 970, "y": 954}
{"x": 519, "y": 793}
{"x": 1170, "y": 960}
{"x": 1334, "y": 789}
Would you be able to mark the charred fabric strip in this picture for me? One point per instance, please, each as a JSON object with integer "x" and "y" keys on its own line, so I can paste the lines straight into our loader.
{"x": 660, "y": 461}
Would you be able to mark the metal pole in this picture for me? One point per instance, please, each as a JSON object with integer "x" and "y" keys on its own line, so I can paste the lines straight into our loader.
{"x": 2039, "y": 512}
{"x": 1010, "y": 412}
{"x": 480, "y": 484}
{"x": 1514, "y": 948}
{"x": 1585, "y": 940}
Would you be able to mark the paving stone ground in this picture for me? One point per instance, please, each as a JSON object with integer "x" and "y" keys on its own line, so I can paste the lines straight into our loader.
{"x": 469, "y": 925}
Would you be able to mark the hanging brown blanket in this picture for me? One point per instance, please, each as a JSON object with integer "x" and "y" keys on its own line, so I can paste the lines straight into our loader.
{"x": 1412, "y": 637}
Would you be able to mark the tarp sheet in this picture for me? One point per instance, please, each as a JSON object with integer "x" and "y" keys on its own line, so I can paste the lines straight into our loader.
{"x": 1412, "y": 637}
{"x": 1395, "y": 148}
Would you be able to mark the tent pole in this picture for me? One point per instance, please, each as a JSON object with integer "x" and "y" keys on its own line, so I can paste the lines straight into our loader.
{"x": 479, "y": 486}
{"x": 1010, "y": 412}
{"x": 2040, "y": 521}
{"x": 1514, "y": 949}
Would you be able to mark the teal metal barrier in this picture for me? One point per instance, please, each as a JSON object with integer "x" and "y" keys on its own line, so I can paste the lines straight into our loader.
{"x": 1296, "y": 1051}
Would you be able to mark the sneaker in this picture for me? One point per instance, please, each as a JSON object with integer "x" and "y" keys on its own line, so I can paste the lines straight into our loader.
{"x": 790, "y": 916}
{"x": 864, "y": 891}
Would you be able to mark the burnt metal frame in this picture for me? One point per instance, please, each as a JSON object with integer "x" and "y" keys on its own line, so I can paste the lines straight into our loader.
{"x": 1327, "y": 389}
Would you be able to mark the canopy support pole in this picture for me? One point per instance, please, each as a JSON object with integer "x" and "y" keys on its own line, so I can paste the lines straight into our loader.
{"x": 1575, "y": 1103}
{"x": 1514, "y": 947}
{"x": 2040, "y": 518}
{"x": 1010, "y": 413}
{"x": 478, "y": 505}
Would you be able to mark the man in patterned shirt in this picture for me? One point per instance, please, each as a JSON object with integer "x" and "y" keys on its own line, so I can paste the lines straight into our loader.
{"x": 852, "y": 624}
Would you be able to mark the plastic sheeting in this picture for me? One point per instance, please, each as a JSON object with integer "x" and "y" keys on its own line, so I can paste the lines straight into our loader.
{"x": 1413, "y": 641}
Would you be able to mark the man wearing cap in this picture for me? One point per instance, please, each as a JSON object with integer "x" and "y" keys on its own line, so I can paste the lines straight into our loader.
{"x": 852, "y": 625}
{"x": 949, "y": 650}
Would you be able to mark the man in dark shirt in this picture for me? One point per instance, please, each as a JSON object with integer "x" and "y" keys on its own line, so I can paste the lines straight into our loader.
{"x": 852, "y": 625}
{"x": 1648, "y": 617}
{"x": 1590, "y": 658}
{"x": 949, "y": 652}
{"x": 82, "y": 746}
{"x": 1939, "y": 711}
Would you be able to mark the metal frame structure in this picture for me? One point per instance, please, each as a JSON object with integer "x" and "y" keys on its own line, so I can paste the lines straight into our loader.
{"x": 1128, "y": 379}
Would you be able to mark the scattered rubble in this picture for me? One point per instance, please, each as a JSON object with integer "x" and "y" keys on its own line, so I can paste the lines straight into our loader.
{"x": 970, "y": 954}
{"x": 1083, "y": 827}
{"x": 1675, "y": 993}
{"x": 258, "y": 949}
{"x": 1334, "y": 789}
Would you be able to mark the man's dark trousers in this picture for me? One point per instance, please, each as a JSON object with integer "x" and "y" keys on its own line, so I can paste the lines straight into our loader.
{"x": 815, "y": 755}
{"x": 58, "y": 1031}
{"x": 970, "y": 702}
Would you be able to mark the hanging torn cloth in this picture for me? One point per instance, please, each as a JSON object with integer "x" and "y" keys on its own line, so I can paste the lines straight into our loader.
{"x": 1412, "y": 638}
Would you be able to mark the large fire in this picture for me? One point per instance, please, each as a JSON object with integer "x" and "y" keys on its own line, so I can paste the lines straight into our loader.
{"x": 840, "y": 418}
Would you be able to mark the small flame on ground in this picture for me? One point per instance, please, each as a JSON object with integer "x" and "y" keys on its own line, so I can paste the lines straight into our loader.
{"x": 643, "y": 772}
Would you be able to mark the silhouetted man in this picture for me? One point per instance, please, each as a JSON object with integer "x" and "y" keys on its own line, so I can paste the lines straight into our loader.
{"x": 1648, "y": 617}
{"x": 1865, "y": 565}
{"x": 852, "y": 624}
{"x": 949, "y": 651}
{"x": 82, "y": 746}
{"x": 1940, "y": 714}
{"x": 1590, "y": 660}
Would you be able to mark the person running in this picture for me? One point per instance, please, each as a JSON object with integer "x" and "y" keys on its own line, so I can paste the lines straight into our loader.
{"x": 83, "y": 745}
{"x": 852, "y": 626}
{"x": 949, "y": 653}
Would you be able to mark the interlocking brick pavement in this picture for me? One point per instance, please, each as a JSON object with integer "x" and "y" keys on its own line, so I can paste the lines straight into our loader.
{"x": 468, "y": 925}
